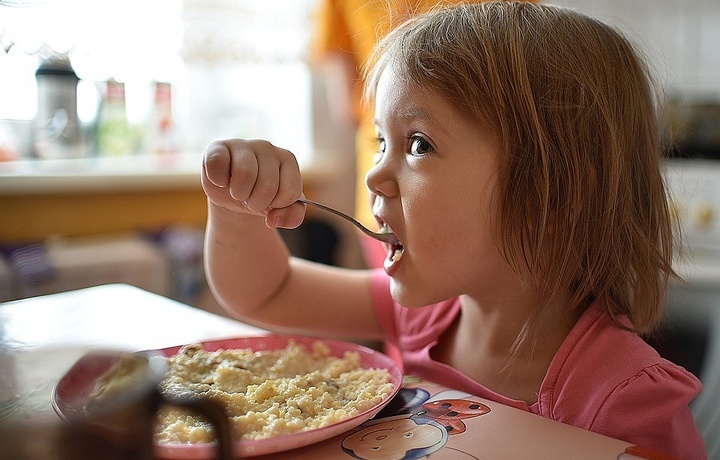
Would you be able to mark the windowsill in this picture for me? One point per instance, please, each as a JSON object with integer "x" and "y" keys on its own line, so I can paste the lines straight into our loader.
{"x": 92, "y": 196}
{"x": 122, "y": 174}
{"x": 137, "y": 172}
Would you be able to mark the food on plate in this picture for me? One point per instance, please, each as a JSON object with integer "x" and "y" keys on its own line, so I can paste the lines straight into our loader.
{"x": 123, "y": 375}
{"x": 269, "y": 392}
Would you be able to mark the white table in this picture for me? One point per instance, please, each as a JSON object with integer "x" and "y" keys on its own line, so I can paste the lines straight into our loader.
{"x": 41, "y": 337}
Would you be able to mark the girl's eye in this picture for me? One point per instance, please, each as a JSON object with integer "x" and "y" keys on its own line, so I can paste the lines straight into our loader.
{"x": 381, "y": 145}
{"x": 419, "y": 146}
{"x": 380, "y": 150}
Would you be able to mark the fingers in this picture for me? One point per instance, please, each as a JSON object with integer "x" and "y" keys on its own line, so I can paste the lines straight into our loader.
{"x": 245, "y": 175}
{"x": 254, "y": 176}
{"x": 287, "y": 217}
{"x": 216, "y": 164}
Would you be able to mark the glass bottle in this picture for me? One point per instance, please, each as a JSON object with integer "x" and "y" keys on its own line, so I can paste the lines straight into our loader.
{"x": 114, "y": 134}
{"x": 161, "y": 137}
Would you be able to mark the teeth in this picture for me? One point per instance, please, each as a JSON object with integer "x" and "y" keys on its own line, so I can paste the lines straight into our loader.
{"x": 397, "y": 254}
{"x": 395, "y": 247}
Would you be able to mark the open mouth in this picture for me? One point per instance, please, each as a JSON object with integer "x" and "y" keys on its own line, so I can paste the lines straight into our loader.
{"x": 395, "y": 248}
{"x": 396, "y": 252}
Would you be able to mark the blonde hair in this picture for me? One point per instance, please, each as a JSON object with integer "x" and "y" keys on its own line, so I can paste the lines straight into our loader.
{"x": 580, "y": 177}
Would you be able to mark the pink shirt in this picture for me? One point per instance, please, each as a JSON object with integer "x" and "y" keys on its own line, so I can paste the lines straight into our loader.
{"x": 603, "y": 378}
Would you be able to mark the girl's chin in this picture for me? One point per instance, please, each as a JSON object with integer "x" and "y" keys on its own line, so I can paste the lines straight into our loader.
{"x": 402, "y": 296}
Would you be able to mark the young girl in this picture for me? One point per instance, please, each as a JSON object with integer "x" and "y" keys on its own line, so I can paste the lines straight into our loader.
{"x": 518, "y": 165}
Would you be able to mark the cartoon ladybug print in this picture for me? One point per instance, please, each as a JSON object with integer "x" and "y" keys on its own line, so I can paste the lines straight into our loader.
{"x": 451, "y": 412}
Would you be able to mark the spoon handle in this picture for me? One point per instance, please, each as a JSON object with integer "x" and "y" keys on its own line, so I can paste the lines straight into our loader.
{"x": 384, "y": 237}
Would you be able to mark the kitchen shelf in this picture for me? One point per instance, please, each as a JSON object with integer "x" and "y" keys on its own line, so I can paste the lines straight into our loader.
{"x": 96, "y": 174}
{"x": 91, "y": 196}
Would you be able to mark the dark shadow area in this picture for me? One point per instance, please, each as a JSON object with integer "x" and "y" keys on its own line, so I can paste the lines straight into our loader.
{"x": 314, "y": 240}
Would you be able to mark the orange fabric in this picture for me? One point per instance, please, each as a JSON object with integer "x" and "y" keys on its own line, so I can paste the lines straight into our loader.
{"x": 352, "y": 27}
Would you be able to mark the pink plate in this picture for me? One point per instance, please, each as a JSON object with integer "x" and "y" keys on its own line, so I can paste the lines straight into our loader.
{"x": 368, "y": 359}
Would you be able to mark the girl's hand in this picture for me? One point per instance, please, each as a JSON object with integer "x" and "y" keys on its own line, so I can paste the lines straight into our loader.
{"x": 254, "y": 177}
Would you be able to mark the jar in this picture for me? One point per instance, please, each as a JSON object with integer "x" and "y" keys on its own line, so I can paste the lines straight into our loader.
{"x": 57, "y": 131}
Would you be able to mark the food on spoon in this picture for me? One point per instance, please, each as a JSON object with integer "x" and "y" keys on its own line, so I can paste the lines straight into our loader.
{"x": 397, "y": 254}
{"x": 269, "y": 393}
{"x": 396, "y": 249}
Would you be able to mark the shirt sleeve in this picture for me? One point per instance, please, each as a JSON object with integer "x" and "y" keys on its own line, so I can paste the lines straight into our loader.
{"x": 385, "y": 310}
{"x": 383, "y": 303}
{"x": 651, "y": 409}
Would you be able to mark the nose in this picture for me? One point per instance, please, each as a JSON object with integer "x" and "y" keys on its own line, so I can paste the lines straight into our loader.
{"x": 381, "y": 178}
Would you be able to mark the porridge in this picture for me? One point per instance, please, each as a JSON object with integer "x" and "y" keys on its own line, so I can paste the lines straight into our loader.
{"x": 268, "y": 393}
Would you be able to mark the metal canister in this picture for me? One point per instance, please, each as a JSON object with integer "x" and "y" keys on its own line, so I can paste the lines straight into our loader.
{"x": 57, "y": 131}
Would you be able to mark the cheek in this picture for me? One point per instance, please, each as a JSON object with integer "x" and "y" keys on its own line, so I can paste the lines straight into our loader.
{"x": 452, "y": 216}
{"x": 460, "y": 235}
{"x": 453, "y": 243}
{"x": 459, "y": 224}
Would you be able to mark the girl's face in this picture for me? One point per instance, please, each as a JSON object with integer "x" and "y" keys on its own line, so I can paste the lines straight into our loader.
{"x": 434, "y": 184}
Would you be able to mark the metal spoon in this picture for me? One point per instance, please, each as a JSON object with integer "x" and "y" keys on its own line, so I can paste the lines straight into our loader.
{"x": 384, "y": 237}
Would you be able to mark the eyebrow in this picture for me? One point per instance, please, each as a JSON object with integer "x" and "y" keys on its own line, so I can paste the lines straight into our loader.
{"x": 420, "y": 113}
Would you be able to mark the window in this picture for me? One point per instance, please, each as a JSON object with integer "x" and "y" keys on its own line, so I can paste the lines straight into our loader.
{"x": 237, "y": 66}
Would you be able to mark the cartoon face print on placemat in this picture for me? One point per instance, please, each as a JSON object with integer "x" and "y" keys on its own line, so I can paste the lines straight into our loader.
{"x": 413, "y": 425}
{"x": 399, "y": 437}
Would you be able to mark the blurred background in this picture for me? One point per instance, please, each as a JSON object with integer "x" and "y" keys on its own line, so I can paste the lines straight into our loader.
{"x": 105, "y": 109}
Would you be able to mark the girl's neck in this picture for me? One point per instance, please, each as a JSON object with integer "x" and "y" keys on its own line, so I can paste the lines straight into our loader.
{"x": 482, "y": 343}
